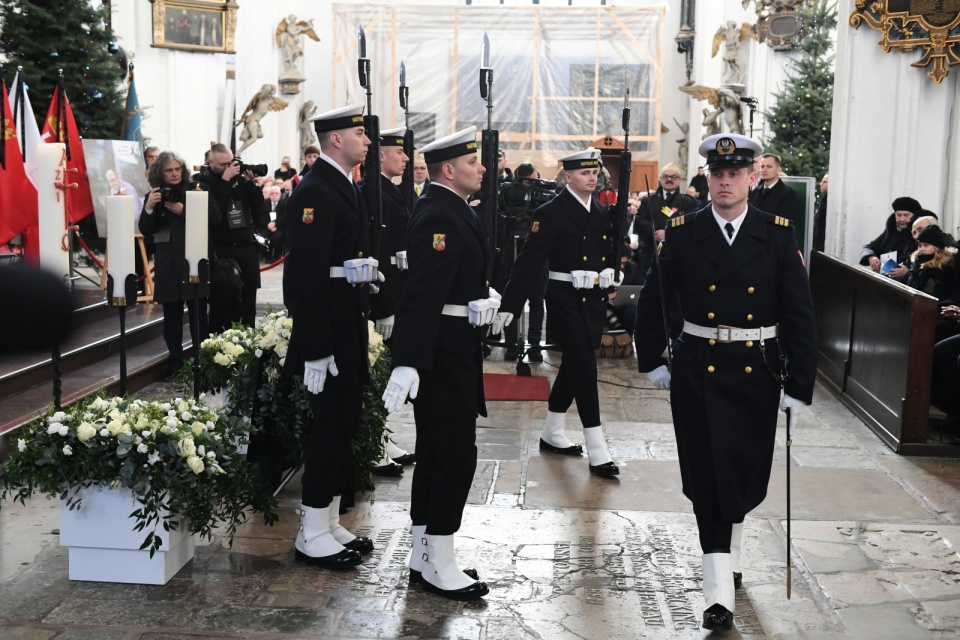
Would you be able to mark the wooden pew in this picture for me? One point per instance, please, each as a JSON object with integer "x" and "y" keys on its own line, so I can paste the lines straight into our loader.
{"x": 876, "y": 346}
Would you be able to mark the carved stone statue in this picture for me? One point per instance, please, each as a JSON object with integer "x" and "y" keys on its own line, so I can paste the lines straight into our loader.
{"x": 307, "y": 136}
{"x": 262, "y": 102}
{"x": 288, "y": 39}
{"x": 682, "y": 149}
{"x": 725, "y": 103}
{"x": 731, "y": 36}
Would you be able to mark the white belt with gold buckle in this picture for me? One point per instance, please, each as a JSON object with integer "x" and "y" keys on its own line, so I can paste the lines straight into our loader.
{"x": 724, "y": 333}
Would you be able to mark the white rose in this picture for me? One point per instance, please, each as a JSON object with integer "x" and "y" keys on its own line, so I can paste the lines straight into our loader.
{"x": 187, "y": 447}
{"x": 186, "y": 416}
{"x": 201, "y": 451}
{"x": 195, "y": 464}
{"x": 85, "y": 431}
{"x": 153, "y": 458}
{"x": 59, "y": 416}
{"x": 21, "y": 444}
{"x": 54, "y": 428}
{"x": 67, "y": 451}
{"x": 104, "y": 432}
{"x": 165, "y": 406}
{"x": 222, "y": 359}
{"x": 197, "y": 428}
{"x": 258, "y": 353}
{"x": 115, "y": 427}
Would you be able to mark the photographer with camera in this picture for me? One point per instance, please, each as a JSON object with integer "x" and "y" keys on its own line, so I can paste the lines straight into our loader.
{"x": 234, "y": 198}
{"x": 163, "y": 217}
{"x": 518, "y": 200}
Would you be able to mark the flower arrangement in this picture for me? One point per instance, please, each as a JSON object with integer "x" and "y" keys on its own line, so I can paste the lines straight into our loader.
{"x": 275, "y": 408}
{"x": 178, "y": 459}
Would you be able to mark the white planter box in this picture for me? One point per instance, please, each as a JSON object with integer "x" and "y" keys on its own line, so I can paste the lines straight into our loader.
{"x": 103, "y": 547}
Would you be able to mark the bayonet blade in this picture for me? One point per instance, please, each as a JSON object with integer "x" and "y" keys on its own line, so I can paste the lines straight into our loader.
{"x": 485, "y": 52}
{"x": 403, "y": 74}
{"x": 362, "y": 42}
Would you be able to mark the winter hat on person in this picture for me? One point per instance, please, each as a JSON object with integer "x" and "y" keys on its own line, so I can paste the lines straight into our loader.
{"x": 933, "y": 235}
{"x": 906, "y": 203}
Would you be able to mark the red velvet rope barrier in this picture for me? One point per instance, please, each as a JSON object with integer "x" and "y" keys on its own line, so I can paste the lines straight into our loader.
{"x": 89, "y": 253}
{"x": 271, "y": 266}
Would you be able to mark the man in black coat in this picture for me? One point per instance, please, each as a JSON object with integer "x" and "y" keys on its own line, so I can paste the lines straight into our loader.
{"x": 234, "y": 201}
{"x": 699, "y": 182}
{"x": 746, "y": 301}
{"x": 576, "y": 234}
{"x": 772, "y": 195}
{"x": 657, "y": 209}
{"x": 437, "y": 361}
{"x": 325, "y": 288}
{"x": 272, "y": 221}
{"x": 820, "y": 217}
{"x": 392, "y": 259}
{"x": 896, "y": 237}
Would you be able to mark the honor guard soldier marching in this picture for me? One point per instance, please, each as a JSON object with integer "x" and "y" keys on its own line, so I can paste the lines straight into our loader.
{"x": 325, "y": 284}
{"x": 576, "y": 234}
{"x": 748, "y": 331}
{"x": 393, "y": 265}
{"x": 440, "y": 325}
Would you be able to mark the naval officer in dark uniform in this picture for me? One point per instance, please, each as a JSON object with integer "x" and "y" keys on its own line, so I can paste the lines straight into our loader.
{"x": 393, "y": 265}
{"x": 325, "y": 284}
{"x": 576, "y": 234}
{"x": 441, "y": 320}
{"x": 746, "y": 304}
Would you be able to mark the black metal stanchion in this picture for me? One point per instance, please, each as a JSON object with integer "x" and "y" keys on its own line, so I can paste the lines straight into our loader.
{"x": 196, "y": 288}
{"x": 121, "y": 302}
{"x": 55, "y": 361}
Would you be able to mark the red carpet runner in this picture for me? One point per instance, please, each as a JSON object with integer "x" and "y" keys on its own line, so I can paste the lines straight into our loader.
{"x": 503, "y": 386}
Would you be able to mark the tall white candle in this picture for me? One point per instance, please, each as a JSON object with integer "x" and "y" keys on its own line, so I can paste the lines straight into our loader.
{"x": 120, "y": 261}
{"x": 197, "y": 230}
{"x": 51, "y": 170}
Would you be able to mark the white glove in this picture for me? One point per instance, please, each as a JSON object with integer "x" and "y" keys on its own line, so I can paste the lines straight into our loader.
{"x": 482, "y": 312}
{"x": 503, "y": 319}
{"x": 403, "y": 381}
{"x": 796, "y": 407}
{"x": 402, "y": 262}
{"x": 608, "y": 278}
{"x": 374, "y": 289}
{"x": 493, "y": 294}
{"x": 315, "y": 373}
{"x": 385, "y": 327}
{"x": 361, "y": 270}
{"x": 584, "y": 279}
{"x": 660, "y": 377}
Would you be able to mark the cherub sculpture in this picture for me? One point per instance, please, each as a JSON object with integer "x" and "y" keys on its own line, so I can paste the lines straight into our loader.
{"x": 726, "y": 104}
{"x": 288, "y": 39}
{"x": 307, "y": 136}
{"x": 682, "y": 151}
{"x": 262, "y": 102}
{"x": 731, "y": 36}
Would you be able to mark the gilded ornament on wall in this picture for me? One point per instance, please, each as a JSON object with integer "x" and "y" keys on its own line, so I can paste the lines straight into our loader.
{"x": 930, "y": 25}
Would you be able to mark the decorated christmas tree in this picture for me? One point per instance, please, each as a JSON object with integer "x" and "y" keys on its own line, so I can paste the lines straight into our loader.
{"x": 800, "y": 119}
{"x": 44, "y": 37}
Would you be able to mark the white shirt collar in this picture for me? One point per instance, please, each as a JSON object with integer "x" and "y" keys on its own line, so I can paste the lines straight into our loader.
{"x": 736, "y": 222}
{"x": 333, "y": 163}
{"x": 577, "y": 198}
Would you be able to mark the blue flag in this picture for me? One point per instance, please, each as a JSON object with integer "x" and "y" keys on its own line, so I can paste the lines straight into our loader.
{"x": 130, "y": 130}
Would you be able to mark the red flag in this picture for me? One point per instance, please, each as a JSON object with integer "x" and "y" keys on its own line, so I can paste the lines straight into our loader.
{"x": 18, "y": 197}
{"x": 61, "y": 127}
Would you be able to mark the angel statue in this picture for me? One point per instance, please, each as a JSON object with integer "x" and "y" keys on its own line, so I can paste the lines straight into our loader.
{"x": 288, "y": 39}
{"x": 725, "y": 103}
{"x": 730, "y": 36}
{"x": 682, "y": 151}
{"x": 261, "y": 102}
{"x": 307, "y": 137}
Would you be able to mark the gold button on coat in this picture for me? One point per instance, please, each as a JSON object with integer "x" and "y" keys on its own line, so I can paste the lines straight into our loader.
{"x": 583, "y": 299}
{"x": 749, "y": 316}
{"x": 712, "y": 287}
{"x": 748, "y": 369}
{"x": 604, "y": 237}
{"x": 711, "y": 369}
{"x": 584, "y": 258}
{"x": 749, "y": 343}
{"x": 710, "y": 315}
{"x": 712, "y": 342}
{"x": 359, "y": 254}
{"x": 750, "y": 289}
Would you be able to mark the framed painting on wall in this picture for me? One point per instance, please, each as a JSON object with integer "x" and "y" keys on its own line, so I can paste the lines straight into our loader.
{"x": 195, "y": 25}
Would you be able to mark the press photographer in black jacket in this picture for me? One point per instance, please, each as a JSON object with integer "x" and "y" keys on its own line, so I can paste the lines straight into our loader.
{"x": 236, "y": 197}
{"x": 163, "y": 217}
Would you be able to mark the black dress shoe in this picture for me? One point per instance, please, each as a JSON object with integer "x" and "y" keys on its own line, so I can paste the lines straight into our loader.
{"x": 417, "y": 578}
{"x": 346, "y": 559}
{"x": 405, "y": 459}
{"x": 717, "y": 617}
{"x": 390, "y": 470}
{"x": 737, "y": 580}
{"x": 535, "y": 355}
{"x": 474, "y": 592}
{"x": 361, "y": 544}
{"x": 608, "y": 470}
{"x": 572, "y": 450}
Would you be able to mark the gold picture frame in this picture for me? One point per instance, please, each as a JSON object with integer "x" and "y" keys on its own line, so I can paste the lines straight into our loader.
{"x": 195, "y": 25}
{"x": 907, "y": 25}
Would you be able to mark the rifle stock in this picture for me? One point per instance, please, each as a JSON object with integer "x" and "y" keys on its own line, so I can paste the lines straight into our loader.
{"x": 371, "y": 171}
{"x": 409, "y": 195}
{"x": 623, "y": 209}
{"x": 489, "y": 146}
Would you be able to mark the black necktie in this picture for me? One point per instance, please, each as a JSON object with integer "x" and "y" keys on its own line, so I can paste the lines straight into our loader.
{"x": 729, "y": 228}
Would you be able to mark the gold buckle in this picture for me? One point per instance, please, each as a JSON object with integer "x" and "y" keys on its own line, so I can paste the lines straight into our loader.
{"x": 728, "y": 329}
{"x": 596, "y": 281}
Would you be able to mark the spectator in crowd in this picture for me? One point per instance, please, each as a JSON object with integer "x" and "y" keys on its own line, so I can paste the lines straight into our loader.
{"x": 656, "y": 210}
{"x": 820, "y": 217}
{"x": 150, "y": 155}
{"x": 163, "y": 218}
{"x": 932, "y": 264}
{"x": 286, "y": 171}
{"x": 699, "y": 182}
{"x": 504, "y": 174}
{"x": 771, "y": 194}
{"x": 310, "y": 155}
{"x": 604, "y": 192}
{"x": 272, "y": 221}
{"x": 420, "y": 175}
{"x": 234, "y": 200}
{"x": 896, "y": 237}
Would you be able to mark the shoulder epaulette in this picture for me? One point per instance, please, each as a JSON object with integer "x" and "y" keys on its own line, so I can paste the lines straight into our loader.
{"x": 780, "y": 221}
{"x": 678, "y": 222}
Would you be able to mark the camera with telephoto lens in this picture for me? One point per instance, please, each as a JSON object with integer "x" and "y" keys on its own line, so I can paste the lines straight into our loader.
{"x": 259, "y": 170}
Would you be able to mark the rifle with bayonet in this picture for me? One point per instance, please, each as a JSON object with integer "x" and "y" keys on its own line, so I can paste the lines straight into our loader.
{"x": 409, "y": 195}
{"x": 623, "y": 188}
{"x": 371, "y": 168}
{"x": 656, "y": 266}
{"x": 489, "y": 148}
